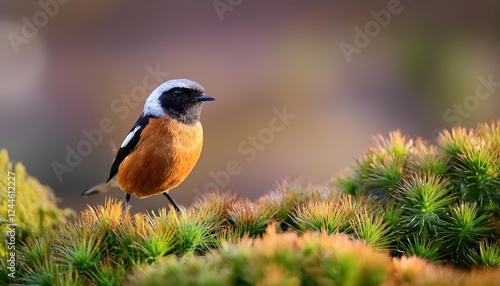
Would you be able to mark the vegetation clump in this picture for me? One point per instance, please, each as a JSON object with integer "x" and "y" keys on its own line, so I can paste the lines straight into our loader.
{"x": 31, "y": 206}
{"x": 406, "y": 212}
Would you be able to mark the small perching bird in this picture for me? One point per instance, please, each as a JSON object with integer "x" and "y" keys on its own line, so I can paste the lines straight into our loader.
{"x": 163, "y": 146}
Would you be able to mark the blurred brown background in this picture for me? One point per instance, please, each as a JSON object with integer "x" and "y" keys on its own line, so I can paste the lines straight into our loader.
{"x": 76, "y": 62}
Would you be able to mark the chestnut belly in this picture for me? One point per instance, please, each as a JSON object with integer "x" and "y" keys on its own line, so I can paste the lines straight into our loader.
{"x": 165, "y": 155}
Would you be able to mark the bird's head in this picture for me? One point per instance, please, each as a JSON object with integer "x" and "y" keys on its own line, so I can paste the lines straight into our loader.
{"x": 181, "y": 99}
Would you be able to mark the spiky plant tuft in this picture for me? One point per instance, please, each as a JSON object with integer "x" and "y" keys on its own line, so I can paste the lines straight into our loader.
{"x": 396, "y": 145}
{"x": 80, "y": 249}
{"x": 331, "y": 216}
{"x": 423, "y": 247}
{"x": 35, "y": 249}
{"x": 214, "y": 206}
{"x": 108, "y": 274}
{"x": 427, "y": 159}
{"x": 107, "y": 216}
{"x": 289, "y": 196}
{"x": 247, "y": 218}
{"x": 424, "y": 200}
{"x": 384, "y": 174}
{"x": 463, "y": 230}
{"x": 387, "y": 163}
{"x": 155, "y": 240}
{"x": 478, "y": 168}
{"x": 488, "y": 254}
{"x": 193, "y": 233}
{"x": 380, "y": 169}
{"x": 454, "y": 141}
{"x": 369, "y": 225}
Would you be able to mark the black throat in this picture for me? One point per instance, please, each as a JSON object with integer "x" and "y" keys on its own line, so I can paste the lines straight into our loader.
{"x": 189, "y": 115}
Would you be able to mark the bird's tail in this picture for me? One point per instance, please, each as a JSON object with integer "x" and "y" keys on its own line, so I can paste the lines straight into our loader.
{"x": 101, "y": 188}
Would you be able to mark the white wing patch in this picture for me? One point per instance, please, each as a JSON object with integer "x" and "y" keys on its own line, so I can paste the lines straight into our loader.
{"x": 130, "y": 136}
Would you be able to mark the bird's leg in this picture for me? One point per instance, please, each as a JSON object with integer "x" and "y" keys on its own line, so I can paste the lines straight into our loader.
{"x": 127, "y": 200}
{"x": 176, "y": 206}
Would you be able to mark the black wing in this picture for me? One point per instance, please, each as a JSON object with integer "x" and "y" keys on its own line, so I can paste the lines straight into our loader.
{"x": 124, "y": 150}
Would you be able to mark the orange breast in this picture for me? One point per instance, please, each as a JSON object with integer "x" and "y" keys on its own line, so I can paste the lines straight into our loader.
{"x": 164, "y": 157}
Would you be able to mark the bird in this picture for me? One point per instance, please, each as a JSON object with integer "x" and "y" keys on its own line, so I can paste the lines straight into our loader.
{"x": 162, "y": 147}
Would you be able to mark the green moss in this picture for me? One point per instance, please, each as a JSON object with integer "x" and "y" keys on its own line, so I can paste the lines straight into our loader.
{"x": 402, "y": 199}
{"x": 26, "y": 206}
{"x": 425, "y": 201}
{"x": 488, "y": 254}
{"x": 25, "y": 202}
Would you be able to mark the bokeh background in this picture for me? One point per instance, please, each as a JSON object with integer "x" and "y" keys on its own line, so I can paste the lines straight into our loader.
{"x": 254, "y": 56}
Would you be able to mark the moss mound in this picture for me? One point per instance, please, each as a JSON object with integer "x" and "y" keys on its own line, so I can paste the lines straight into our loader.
{"x": 406, "y": 212}
{"x": 26, "y": 203}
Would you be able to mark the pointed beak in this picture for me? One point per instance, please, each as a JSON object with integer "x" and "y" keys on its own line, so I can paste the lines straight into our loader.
{"x": 204, "y": 97}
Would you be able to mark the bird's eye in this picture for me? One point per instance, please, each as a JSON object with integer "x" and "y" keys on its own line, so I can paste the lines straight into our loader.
{"x": 177, "y": 93}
